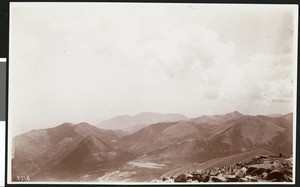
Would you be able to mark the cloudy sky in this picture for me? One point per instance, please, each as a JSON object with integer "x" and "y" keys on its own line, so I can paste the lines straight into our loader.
{"x": 93, "y": 61}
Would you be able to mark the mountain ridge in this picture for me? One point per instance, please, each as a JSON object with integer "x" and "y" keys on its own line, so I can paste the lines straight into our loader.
{"x": 85, "y": 152}
{"x": 124, "y": 122}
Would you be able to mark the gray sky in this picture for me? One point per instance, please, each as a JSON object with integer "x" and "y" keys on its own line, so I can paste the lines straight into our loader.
{"x": 93, "y": 61}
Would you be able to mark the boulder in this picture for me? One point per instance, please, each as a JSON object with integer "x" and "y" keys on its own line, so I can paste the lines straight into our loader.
{"x": 238, "y": 164}
{"x": 218, "y": 178}
{"x": 251, "y": 169}
{"x": 287, "y": 172}
{"x": 277, "y": 161}
{"x": 288, "y": 179}
{"x": 181, "y": 178}
{"x": 264, "y": 156}
{"x": 190, "y": 180}
{"x": 234, "y": 171}
{"x": 284, "y": 163}
{"x": 258, "y": 166}
{"x": 277, "y": 166}
{"x": 231, "y": 178}
{"x": 289, "y": 160}
{"x": 264, "y": 175}
{"x": 243, "y": 179}
{"x": 198, "y": 172}
{"x": 206, "y": 178}
{"x": 256, "y": 160}
{"x": 276, "y": 175}
{"x": 195, "y": 177}
{"x": 214, "y": 173}
{"x": 259, "y": 171}
{"x": 251, "y": 178}
{"x": 241, "y": 172}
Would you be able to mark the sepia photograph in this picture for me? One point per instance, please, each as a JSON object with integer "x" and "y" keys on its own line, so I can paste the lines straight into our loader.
{"x": 152, "y": 93}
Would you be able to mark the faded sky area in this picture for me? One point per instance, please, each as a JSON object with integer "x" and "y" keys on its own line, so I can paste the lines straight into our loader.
{"x": 74, "y": 62}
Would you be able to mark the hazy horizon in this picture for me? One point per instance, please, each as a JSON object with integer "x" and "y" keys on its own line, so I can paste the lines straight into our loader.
{"x": 78, "y": 122}
{"x": 89, "y": 62}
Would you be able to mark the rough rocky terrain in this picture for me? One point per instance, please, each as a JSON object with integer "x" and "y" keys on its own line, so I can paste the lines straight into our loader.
{"x": 261, "y": 168}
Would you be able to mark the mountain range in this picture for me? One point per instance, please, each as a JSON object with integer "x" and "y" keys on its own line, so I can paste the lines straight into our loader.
{"x": 161, "y": 143}
{"x": 136, "y": 122}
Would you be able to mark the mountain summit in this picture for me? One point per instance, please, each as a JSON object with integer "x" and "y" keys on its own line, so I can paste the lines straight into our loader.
{"x": 139, "y": 121}
{"x": 217, "y": 119}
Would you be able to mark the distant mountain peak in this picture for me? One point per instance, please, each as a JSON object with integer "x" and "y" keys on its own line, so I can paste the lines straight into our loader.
{"x": 140, "y": 120}
{"x": 146, "y": 113}
{"x": 83, "y": 124}
{"x": 66, "y": 124}
{"x": 234, "y": 113}
{"x": 217, "y": 119}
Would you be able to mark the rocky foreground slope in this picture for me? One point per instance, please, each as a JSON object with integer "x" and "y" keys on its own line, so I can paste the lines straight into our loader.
{"x": 259, "y": 169}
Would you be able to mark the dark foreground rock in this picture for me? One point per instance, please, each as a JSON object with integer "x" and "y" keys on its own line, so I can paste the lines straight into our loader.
{"x": 181, "y": 178}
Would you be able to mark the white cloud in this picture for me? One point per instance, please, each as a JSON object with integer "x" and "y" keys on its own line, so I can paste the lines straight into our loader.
{"x": 188, "y": 51}
{"x": 95, "y": 61}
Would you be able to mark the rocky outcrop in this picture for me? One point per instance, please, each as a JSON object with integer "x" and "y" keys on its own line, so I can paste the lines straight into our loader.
{"x": 258, "y": 169}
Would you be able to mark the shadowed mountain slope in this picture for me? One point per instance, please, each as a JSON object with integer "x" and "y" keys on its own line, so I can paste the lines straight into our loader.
{"x": 65, "y": 151}
{"x": 240, "y": 135}
{"x": 160, "y": 135}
